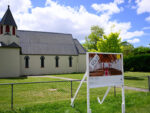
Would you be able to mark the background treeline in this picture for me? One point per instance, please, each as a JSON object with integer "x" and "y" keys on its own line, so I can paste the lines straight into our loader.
{"x": 137, "y": 63}
{"x": 135, "y": 59}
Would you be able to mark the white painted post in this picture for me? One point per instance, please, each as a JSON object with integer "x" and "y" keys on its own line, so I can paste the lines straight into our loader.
{"x": 123, "y": 94}
{"x": 123, "y": 100}
{"x": 72, "y": 99}
{"x": 104, "y": 96}
{"x": 88, "y": 90}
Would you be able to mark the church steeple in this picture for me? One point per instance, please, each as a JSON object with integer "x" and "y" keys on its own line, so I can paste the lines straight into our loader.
{"x": 8, "y": 18}
{"x": 8, "y": 24}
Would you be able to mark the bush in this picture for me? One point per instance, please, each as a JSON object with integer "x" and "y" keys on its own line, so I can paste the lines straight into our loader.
{"x": 137, "y": 63}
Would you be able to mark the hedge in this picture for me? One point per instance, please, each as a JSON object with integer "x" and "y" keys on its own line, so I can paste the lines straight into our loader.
{"x": 137, "y": 63}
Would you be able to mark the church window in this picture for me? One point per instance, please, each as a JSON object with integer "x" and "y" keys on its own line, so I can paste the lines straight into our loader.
{"x": 7, "y": 28}
{"x": 42, "y": 61}
{"x": 57, "y": 61}
{"x": 70, "y": 61}
{"x": 27, "y": 58}
{"x": 1, "y": 30}
{"x": 13, "y": 29}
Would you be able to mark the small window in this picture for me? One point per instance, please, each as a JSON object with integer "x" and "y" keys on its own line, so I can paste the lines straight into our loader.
{"x": 42, "y": 61}
{"x": 27, "y": 58}
{"x": 14, "y": 31}
{"x": 70, "y": 61}
{"x": 7, "y": 29}
{"x": 1, "y": 30}
{"x": 57, "y": 61}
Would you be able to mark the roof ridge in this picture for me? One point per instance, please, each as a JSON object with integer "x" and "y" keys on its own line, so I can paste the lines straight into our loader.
{"x": 44, "y": 32}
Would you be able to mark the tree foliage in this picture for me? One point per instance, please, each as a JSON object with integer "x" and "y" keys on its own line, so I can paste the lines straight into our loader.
{"x": 139, "y": 62}
{"x": 91, "y": 41}
{"x": 110, "y": 43}
{"x": 127, "y": 48}
{"x": 141, "y": 50}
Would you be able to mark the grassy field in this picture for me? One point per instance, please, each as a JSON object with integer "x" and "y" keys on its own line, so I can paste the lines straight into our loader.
{"x": 137, "y": 79}
{"x": 55, "y": 97}
{"x": 135, "y": 103}
{"x": 73, "y": 76}
{"x": 132, "y": 79}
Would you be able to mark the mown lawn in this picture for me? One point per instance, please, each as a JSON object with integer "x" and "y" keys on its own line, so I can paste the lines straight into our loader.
{"x": 55, "y": 97}
{"x": 132, "y": 79}
{"x": 135, "y": 103}
{"x": 137, "y": 79}
{"x": 73, "y": 76}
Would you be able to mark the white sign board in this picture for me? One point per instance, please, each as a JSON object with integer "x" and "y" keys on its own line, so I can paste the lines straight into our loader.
{"x": 105, "y": 69}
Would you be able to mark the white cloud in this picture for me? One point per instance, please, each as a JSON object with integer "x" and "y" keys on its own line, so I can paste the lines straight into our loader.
{"x": 110, "y": 8}
{"x": 146, "y": 28}
{"x": 143, "y": 6}
{"x": 55, "y": 17}
{"x": 129, "y": 35}
{"x": 148, "y": 45}
{"x": 147, "y": 18}
{"x": 133, "y": 7}
{"x": 118, "y": 1}
{"x": 135, "y": 40}
{"x": 17, "y": 6}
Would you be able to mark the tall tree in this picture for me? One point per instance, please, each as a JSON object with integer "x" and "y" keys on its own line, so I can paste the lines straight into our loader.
{"x": 127, "y": 48}
{"x": 91, "y": 41}
{"x": 110, "y": 43}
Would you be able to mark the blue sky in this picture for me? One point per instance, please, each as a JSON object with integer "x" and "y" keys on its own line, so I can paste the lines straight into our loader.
{"x": 130, "y": 17}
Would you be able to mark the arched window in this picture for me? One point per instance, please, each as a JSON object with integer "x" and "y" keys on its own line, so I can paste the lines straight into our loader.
{"x": 27, "y": 58}
{"x": 1, "y": 30}
{"x": 7, "y": 28}
{"x": 42, "y": 61}
{"x": 57, "y": 61}
{"x": 70, "y": 61}
{"x": 14, "y": 31}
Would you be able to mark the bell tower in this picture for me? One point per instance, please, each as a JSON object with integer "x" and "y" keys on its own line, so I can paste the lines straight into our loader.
{"x": 8, "y": 28}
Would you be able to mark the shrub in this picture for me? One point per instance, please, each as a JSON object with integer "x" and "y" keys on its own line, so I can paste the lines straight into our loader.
{"x": 137, "y": 63}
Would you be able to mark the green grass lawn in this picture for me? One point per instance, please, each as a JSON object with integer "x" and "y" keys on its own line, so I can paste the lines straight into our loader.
{"x": 28, "y": 79}
{"x": 137, "y": 79}
{"x": 73, "y": 76}
{"x": 132, "y": 79}
{"x": 55, "y": 97}
{"x": 136, "y": 102}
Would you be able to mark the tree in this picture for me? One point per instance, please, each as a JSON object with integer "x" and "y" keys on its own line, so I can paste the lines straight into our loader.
{"x": 127, "y": 48}
{"x": 91, "y": 41}
{"x": 110, "y": 43}
{"x": 141, "y": 50}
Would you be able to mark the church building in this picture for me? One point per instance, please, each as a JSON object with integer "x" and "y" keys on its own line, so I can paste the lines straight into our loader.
{"x": 25, "y": 52}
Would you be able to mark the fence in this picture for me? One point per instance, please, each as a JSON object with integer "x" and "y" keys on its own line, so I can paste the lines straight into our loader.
{"x": 46, "y": 91}
{"x": 55, "y": 85}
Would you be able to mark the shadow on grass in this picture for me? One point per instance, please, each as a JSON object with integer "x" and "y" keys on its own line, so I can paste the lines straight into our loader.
{"x": 18, "y": 78}
{"x": 133, "y": 78}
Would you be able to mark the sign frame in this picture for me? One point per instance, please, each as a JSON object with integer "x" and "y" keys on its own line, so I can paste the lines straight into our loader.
{"x": 88, "y": 88}
{"x": 88, "y": 85}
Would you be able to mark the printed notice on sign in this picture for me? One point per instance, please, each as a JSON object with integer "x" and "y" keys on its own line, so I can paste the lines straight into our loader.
{"x": 105, "y": 69}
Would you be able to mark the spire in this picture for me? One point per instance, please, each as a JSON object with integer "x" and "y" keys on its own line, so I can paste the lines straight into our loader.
{"x": 8, "y": 18}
